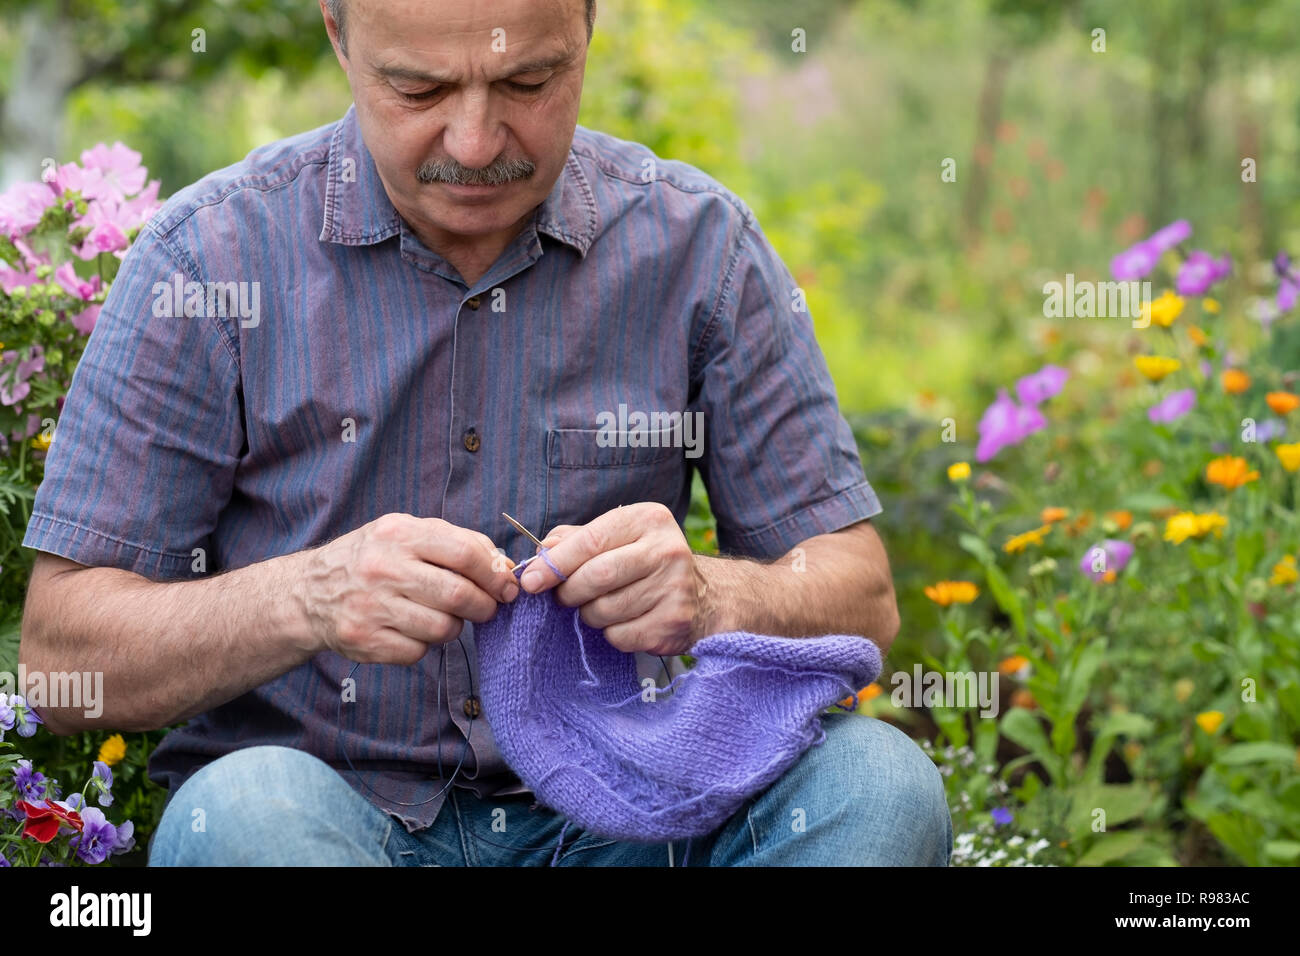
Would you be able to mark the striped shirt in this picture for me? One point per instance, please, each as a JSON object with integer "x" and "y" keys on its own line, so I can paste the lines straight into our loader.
{"x": 281, "y": 360}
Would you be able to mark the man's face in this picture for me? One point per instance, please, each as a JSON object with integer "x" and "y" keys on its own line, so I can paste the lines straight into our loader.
{"x": 454, "y": 94}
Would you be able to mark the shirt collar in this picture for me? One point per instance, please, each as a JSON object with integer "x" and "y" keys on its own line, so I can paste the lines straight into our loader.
{"x": 358, "y": 211}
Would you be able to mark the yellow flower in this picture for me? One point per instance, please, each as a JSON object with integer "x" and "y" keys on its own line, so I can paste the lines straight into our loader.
{"x": 1210, "y": 720}
{"x": 1197, "y": 336}
{"x": 1210, "y": 305}
{"x": 1284, "y": 572}
{"x": 1164, "y": 310}
{"x": 1235, "y": 381}
{"x": 1289, "y": 455}
{"x": 952, "y": 592}
{"x": 1156, "y": 367}
{"x": 112, "y": 750}
{"x": 1019, "y": 542}
{"x": 1183, "y": 688}
{"x": 1230, "y": 472}
{"x": 1187, "y": 524}
{"x": 959, "y": 471}
{"x": 1052, "y": 515}
{"x": 41, "y": 442}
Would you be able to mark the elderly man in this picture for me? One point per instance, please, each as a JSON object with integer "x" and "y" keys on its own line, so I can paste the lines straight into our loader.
{"x": 281, "y": 523}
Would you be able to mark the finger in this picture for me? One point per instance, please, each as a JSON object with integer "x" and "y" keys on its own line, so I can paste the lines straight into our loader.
{"x": 557, "y": 534}
{"x": 440, "y": 589}
{"x": 604, "y": 533}
{"x": 422, "y": 623}
{"x": 617, "y": 607}
{"x": 604, "y": 574}
{"x": 470, "y": 554}
{"x": 387, "y": 646}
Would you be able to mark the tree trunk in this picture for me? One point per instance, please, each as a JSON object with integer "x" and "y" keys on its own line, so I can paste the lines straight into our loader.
{"x": 986, "y": 127}
{"x": 31, "y": 121}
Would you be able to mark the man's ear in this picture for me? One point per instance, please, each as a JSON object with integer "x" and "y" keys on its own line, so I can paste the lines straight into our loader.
{"x": 336, "y": 41}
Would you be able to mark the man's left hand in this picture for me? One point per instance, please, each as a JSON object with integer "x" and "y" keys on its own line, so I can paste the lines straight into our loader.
{"x": 633, "y": 575}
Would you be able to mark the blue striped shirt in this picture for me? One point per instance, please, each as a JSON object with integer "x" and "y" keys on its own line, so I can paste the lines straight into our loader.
{"x": 361, "y": 376}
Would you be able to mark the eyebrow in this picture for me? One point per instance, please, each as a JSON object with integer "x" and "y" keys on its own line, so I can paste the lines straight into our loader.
{"x": 536, "y": 64}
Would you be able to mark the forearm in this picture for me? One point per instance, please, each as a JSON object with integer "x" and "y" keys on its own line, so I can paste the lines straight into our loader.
{"x": 831, "y": 584}
{"x": 167, "y": 650}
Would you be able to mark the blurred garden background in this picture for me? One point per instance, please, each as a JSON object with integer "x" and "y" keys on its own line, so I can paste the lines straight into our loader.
{"x": 1163, "y": 690}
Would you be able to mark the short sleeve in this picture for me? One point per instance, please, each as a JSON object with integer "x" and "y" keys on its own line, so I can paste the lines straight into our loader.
{"x": 151, "y": 431}
{"x": 781, "y": 464}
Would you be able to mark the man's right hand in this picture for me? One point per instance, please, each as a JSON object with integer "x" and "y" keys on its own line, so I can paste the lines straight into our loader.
{"x": 388, "y": 590}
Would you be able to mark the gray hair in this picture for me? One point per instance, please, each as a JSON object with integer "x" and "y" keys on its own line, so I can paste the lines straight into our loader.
{"x": 336, "y": 10}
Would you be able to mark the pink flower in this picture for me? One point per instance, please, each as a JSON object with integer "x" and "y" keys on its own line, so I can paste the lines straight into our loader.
{"x": 119, "y": 168}
{"x": 1005, "y": 423}
{"x": 1042, "y": 385}
{"x": 1174, "y": 406}
{"x": 1137, "y": 261}
{"x": 13, "y": 392}
{"x": 74, "y": 285}
{"x": 84, "y": 322}
{"x": 1200, "y": 271}
{"x": 21, "y": 207}
{"x": 107, "y": 226}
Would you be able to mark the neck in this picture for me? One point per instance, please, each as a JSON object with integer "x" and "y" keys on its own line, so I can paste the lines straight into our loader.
{"x": 471, "y": 256}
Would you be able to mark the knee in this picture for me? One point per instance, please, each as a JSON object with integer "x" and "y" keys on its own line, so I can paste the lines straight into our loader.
{"x": 887, "y": 785}
{"x": 258, "y": 805}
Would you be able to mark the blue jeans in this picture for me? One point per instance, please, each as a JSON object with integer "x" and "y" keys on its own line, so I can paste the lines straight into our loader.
{"x": 866, "y": 796}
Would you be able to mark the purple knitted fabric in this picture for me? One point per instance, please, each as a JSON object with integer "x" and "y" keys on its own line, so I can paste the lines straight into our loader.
{"x": 567, "y": 711}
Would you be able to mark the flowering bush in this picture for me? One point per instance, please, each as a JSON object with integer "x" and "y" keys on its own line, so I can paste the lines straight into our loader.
{"x": 1133, "y": 582}
{"x": 60, "y": 242}
{"x": 41, "y": 828}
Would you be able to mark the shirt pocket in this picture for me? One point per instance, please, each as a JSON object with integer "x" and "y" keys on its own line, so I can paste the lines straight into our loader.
{"x": 585, "y": 478}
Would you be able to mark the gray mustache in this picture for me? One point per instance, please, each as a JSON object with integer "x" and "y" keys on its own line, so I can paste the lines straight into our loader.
{"x": 454, "y": 174}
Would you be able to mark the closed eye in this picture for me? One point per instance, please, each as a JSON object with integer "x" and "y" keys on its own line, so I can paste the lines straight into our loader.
{"x": 526, "y": 87}
{"x": 425, "y": 95}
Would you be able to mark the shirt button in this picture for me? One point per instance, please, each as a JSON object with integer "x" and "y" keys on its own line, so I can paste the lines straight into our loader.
{"x": 472, "y": 708}
{"x": 473, "y": 303}
{"x": 471, "y": 440}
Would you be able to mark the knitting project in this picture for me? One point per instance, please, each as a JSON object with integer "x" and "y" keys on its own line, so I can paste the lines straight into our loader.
{"x": 572, "y": 719}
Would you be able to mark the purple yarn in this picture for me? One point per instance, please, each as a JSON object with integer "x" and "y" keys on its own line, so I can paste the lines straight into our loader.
{"x": 566, "y": 709}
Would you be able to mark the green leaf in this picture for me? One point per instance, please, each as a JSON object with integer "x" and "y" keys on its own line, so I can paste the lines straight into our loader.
{"x": 1121, "y": 803}
{"x": 1112, "y": 846}
{"x": 1006, "y": 597}
{"x": 1263, "y": 751}
{"x": 1283, "y": 851}
{"x": 976, "y": 547}
{"x": 1022, "y": 727}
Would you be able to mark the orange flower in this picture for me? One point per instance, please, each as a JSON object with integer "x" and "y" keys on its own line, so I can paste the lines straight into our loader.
{"x": 945, "y": 593}
{"x": 1197, "y": 336}
{"x": 1230, "y": 472}
{"x": 1013, "y": 664}
{"x": 1282, "y": 402}
{"x": 1121, "y": 518}
{"x": 1019, "y": 542}
{"x": 1235, "y": 381}
{"x": 1077, "y": 526}
{"x": 1022, "y": 698}
{"x": 1051, "y": 515}
{"x": 870, "y": 692}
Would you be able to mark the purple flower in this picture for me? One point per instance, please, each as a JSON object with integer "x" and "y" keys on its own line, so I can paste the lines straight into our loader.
{"x": 125, "y": 838}
{"x": 1005, "y": 423}
{"x": 1002, "y": 816}
{"x": 1116, "y": 557}
{"x": 97, "y": 837}
{"x": 1269, "y": 429}
{"x": 29, "y": 783}
{"x": 103, "y": 782}
{"x": 1138, "y": 260}
{"x": 1200, "y": 271}
{"x": 1287, "y": 293}
{"x": 26, "y": 717}
{"x": 4, "y": 860}
{"x": 1042, "y": 385}
{"x": 7, "y": 715}
{"x": 1173, "y": 407}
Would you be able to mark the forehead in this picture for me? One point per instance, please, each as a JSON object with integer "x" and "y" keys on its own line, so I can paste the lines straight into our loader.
{"x": 465, "y": 29}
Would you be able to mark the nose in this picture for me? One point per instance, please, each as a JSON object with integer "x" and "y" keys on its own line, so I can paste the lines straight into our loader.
{"x": 473, "y": 136}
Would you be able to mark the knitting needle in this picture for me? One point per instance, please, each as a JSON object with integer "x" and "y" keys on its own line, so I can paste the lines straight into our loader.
{"x": 522, "y": 529}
